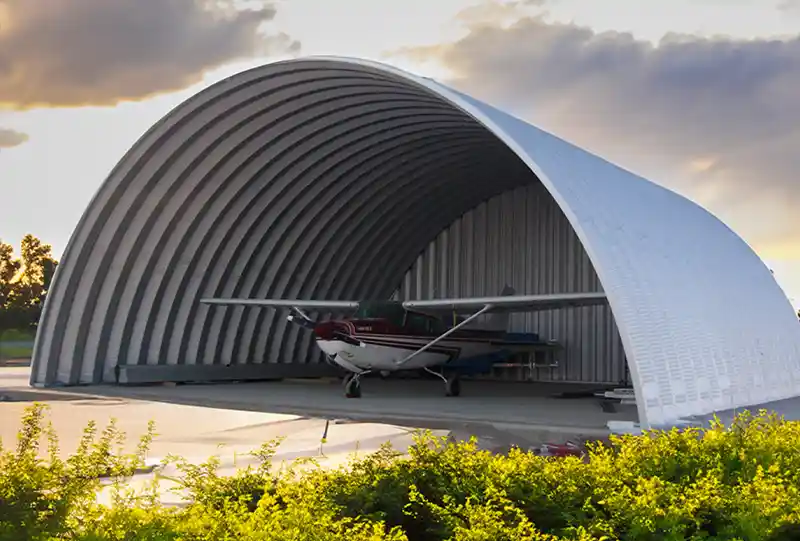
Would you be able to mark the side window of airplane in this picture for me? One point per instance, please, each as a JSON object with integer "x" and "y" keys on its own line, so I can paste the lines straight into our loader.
{"x": 437, "y": 326}
{"x": 417, "y": 323}
{"x": 421, "y": 323}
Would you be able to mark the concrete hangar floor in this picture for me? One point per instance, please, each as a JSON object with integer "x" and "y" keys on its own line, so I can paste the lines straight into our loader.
{"x": 524, "y": 412}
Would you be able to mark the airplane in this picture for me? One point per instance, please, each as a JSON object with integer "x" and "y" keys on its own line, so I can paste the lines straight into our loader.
{"x": 387, "y": 336}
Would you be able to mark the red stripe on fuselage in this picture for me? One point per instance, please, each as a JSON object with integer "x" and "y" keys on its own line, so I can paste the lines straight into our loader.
{"x": 428, "y": 337}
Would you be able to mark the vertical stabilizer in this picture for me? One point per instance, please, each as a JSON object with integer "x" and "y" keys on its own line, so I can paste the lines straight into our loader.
{"x": 499, "y": 321}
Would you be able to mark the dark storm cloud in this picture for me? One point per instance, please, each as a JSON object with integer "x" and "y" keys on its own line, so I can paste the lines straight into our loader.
{"x": 11, "y": 138}
{"x": 99, "y": 52}
{"x": 716, "y": 119}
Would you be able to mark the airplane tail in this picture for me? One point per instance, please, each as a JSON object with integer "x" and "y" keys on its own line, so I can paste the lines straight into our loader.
{"x": 499, "y": 321}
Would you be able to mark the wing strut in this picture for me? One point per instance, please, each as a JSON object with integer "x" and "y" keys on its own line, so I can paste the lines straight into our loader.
{"x": 445, "y": 334}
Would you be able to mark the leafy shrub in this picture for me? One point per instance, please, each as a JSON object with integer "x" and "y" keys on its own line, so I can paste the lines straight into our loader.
{"x": 737, "y": 482}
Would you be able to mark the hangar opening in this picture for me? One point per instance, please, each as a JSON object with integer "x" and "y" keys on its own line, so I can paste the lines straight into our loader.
{"x": 522, "y": 238}
{"x": 343, "y": 179}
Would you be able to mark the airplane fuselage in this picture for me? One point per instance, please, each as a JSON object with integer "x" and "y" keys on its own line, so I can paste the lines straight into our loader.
{"x": 392, "y": 335}
{"x": 377, "y": 345}
{"x": 385, "y": 353}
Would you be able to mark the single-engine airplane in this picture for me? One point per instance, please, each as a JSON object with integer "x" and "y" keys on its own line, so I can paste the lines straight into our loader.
{"x": 386, "y": 336}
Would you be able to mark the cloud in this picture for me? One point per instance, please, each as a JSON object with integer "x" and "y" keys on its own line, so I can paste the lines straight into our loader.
{"x": 716, "y": 119}
{"x": 496, "y": 12}
{"x": 56, "y": 53}
{"x": 11, "y": 138}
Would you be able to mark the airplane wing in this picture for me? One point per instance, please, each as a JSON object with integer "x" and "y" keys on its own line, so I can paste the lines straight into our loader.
{"x": 508, "y": 303}
{"x": 287, "y": 303}
{"x": 502, "y": 303}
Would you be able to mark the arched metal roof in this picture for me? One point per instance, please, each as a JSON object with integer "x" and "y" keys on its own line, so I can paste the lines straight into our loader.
{"x": 327, "y": 177}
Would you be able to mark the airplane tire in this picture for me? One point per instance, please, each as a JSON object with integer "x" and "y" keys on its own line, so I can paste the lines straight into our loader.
{"x": 352, "y": 388}
{"x": 452, "y": 386}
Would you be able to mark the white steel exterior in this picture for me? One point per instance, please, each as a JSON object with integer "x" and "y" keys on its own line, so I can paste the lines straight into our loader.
{"x": 228, "y": 196}
{"x": 704, "y": 323}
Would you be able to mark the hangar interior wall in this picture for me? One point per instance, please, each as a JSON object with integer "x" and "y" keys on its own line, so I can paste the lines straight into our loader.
{"x": 523, "y": 239}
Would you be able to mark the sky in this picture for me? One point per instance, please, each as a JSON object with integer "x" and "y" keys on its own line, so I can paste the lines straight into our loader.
{"x": 700, "y": 96}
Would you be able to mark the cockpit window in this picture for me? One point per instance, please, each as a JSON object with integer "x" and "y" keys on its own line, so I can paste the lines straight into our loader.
{"x": 418, "y": 323}
{"x": 424, "y": 324}
{"x": 397, "y": 315}
{"x": 393, "y": 312}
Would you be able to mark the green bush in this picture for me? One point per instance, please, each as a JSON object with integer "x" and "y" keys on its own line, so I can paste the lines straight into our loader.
{"x": 737, "y": 482}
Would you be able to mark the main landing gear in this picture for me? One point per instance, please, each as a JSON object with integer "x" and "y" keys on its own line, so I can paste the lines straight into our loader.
{"x": 452, "y": 383}
{"x": 352, "y": 383}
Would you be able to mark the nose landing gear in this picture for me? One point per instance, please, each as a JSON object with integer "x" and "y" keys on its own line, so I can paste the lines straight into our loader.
{"x": 352, "y": 385}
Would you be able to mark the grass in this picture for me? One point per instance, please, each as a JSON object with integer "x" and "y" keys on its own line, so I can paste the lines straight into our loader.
{"x": 16, "y": 344}
{"x": 12, "y": 352}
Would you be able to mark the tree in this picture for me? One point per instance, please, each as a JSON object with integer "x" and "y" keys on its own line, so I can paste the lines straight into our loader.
{"x": 24, "y": 282}
{"x": 9, "y": 270}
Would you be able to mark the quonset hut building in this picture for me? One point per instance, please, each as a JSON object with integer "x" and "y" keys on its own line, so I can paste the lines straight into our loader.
{"x": 340, "y": 178}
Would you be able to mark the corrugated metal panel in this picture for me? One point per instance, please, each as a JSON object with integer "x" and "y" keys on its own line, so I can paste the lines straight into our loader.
{"x": 326, "y": 177}
{"x": 295, "y": 180}
{"x": 522, "y": 238}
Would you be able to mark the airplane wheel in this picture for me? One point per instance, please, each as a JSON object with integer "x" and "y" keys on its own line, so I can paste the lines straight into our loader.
{"x": 452, "y": 386}
{"x": 352, "y": 388}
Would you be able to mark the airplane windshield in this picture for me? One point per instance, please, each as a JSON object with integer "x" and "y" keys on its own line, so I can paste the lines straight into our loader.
{"x": 395, "y": 313}
{"x": 391, "y": 311}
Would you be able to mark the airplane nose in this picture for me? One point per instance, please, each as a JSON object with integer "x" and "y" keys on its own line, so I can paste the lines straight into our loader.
{"x": 328, "y": 329}
{"x": 336, "y": 331}
{"x": 323, "y": 331}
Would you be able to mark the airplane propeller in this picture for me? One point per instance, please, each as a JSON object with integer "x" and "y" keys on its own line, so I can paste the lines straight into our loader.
{"x": 299, "y": 317}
